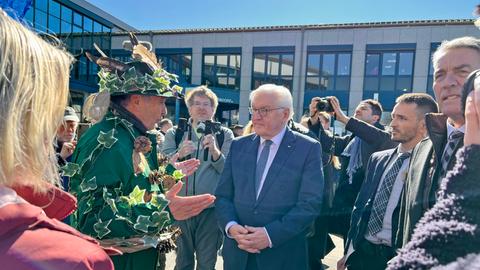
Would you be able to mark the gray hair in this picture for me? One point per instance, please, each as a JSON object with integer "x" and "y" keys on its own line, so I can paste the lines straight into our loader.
{"x": 283, "y": 96}
{"x": 457, "y": 43}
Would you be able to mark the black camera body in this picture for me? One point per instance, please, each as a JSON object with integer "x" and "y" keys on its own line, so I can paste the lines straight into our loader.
{"x": 324, "y": 105}
{"x": 469, "y": 86}
{"x": 209, "y": 127}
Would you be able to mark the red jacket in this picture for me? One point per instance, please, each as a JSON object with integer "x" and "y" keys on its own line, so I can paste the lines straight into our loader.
{"x": 34, "y": 238}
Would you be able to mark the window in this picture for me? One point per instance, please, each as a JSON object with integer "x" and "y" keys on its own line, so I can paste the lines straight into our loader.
{"x": 54, "y": 8}
{"x": 179, "y": 64}
{"x": 389, "y": 71}
{"x": 66, "y": 14}
{"x": 273, "y": 65}
{"x": 221, "y": 69}
{"x": 328, "y": 70}
{"x": 433, "y": 48}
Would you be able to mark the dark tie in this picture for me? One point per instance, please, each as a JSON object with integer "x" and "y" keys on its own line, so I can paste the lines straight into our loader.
{"x": 379, "y": 207}
{"x": 452, "y": 141}
{"x": 261, "y": 163}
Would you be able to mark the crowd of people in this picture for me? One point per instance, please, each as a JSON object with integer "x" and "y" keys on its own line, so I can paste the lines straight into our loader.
{"x": 268, "y": 195}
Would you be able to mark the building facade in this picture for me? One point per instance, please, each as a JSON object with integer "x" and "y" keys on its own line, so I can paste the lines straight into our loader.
{"x": 350, "y": 61}
{"x": 77, "y": 24}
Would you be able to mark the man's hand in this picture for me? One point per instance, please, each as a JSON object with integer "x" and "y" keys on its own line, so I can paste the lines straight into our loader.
{"x": 209, "y": 142}
{"x": 186, "y": 148}
{"x": 472, "y": 116}
{"x": 341, "y": 263}
{"x": 340, "y": 116}
{"x": 257, "y": 238}
{"x": 186, "y": 207}
{"x": 187, "y": 167}
{"x": 67, "y": 149}
{"x": 240, "y": 233}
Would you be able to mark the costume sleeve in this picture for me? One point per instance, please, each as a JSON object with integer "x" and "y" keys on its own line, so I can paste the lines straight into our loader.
{"x": 111, "y": 198}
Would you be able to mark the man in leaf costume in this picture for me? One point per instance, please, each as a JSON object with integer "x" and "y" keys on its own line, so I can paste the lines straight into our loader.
{"x": 115, "y": 173}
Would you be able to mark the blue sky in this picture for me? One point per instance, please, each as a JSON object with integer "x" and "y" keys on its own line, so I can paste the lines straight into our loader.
{"x": 186, "y": 14}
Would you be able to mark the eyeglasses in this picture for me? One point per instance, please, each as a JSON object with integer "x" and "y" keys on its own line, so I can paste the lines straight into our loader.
{"x": 204, "y": 104}
{"x": 263, "y": 111}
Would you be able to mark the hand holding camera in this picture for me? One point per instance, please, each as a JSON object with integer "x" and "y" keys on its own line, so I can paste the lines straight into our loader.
{"x": 186, "y": 148}
{"x": 209, "y": 128}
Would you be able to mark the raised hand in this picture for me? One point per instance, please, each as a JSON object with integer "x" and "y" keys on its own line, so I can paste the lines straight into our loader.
{"x": 186, "y": 207}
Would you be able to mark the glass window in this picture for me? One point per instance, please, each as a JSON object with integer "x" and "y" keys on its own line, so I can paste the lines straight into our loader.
{"x": 65, "y": 27}
{"x": 77, "y": 29}
{"x": 78, "y": 19}
{"x": 106, "y": 29}
{"x": 40, "y": 20}
{"x": 405, "y": 65}
{"x": 66, "y": 14}
{"x": 41, "y": 5}
{"x": 87, "y": 24}
{"x": 53, "y": 24}
{"x": 272, "y": 65}
{"x": 396, "y": 75}
{"x": 313, "y": 65}
{"x": 388, "y": 64}
{"x": 371, "y": 66}
{"x": 54, "y": 8}
{"x": 29, "y": 15}
{"x": 259, "y": 65}
{"x": 277, "y": 70}
{"x": 333, "y": 73}
{"x": 97, "y": 27}
{"x": 328, "y": 65}
{"x": 343, "y": 67}
{"x": 221, "y": 70}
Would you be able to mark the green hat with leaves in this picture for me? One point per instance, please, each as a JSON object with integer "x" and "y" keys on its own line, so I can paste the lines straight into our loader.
{"x": 143, "y": 76}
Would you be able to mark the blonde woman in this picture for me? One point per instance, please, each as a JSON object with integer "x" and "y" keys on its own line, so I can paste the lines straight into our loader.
{"x": 33, "y": 94}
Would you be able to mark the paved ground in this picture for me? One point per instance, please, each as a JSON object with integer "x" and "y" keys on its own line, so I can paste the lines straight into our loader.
{"x": 330, "y": 260}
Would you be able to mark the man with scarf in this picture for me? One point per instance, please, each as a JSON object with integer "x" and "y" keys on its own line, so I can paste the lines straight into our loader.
{"x": 354, "y": 150}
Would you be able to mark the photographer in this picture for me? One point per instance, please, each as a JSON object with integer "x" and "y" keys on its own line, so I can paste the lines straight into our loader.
{"x": 354, "y": 150}
{"x": 209, "y": 142}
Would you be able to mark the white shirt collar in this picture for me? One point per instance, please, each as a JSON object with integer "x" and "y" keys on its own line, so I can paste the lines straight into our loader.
{"x": 277, "y": 139}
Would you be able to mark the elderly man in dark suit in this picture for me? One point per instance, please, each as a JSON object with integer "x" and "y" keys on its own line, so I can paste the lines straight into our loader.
{"x": 270, "y": 190}
{"x": 370, "y": 241}
{"x": 453, "y": 61}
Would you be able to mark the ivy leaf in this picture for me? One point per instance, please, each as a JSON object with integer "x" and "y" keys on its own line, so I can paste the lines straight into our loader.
{"x": 150, "y": 241}
{"x": 160, "y": 219}
{"x": 107, "y": 139}
{"x": 142, "y": 224}
{"x": 159, "y": 201}
{"x": 108, "y": 198}
{"x": 90, "y": 184}
{"x": 177, "y": 174}
{"x": 101, "y": 228}
{"x": 70, "y": 169}
{"x": 136, "y": 196}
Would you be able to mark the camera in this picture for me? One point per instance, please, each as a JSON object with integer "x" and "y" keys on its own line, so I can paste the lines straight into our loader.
{"x": 469, "y": 86}
{"x": 209, "y": 127}
{"x": 324, "y": 105}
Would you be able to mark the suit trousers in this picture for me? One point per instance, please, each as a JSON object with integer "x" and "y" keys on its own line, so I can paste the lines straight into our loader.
{"x": 201, "y": 239}
{"x": 370, "y": 256}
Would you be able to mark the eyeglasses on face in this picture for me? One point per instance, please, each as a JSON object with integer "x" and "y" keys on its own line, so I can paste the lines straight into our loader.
{"x": 263, "y": 111}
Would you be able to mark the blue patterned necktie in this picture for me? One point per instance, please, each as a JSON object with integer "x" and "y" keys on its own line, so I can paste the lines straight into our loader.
{"x": 379, "y": 207}
{"x": 261, "y": 163}
{"x": 453, "y": 139}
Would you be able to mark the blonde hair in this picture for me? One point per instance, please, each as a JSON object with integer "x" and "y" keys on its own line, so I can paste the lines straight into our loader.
{"x": 248, "y": 129}
{"x": 34, "y": 79}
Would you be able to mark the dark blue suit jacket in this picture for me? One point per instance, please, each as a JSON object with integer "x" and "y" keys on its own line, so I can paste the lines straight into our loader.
{"x": 287, "y": 205}
{"x": 363, "y": 205}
